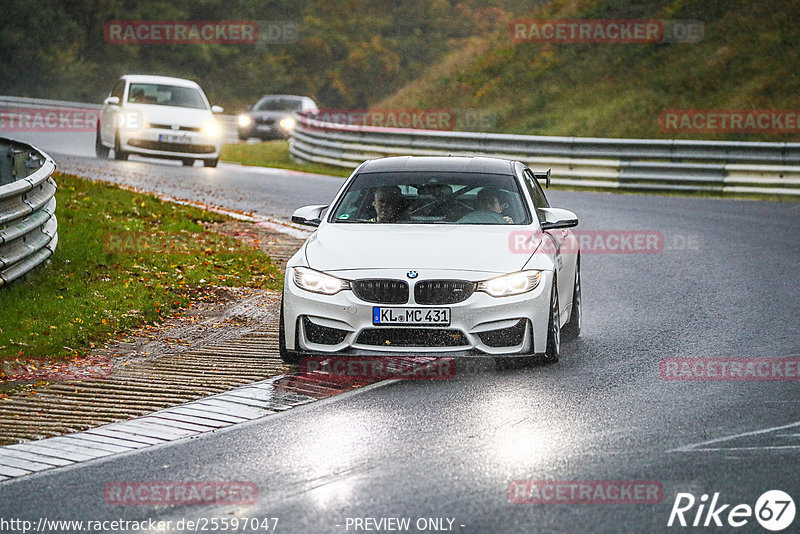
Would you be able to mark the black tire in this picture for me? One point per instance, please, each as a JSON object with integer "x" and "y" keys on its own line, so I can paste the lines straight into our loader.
{"x": 100, "y": 150}
{"x": 119, "y": 154}
{"x": 572, "y": 329}
{"x": 553, "y": 350}
{"x": 210, "y": 162}
{"x": 187, "y": 162}
{"x": 288, "y": 356}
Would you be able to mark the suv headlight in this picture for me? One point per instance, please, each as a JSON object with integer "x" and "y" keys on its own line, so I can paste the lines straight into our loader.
{"x": 245, "y": 120}
{"x": 318, "y": 282}
{"x": 510, "y": 284}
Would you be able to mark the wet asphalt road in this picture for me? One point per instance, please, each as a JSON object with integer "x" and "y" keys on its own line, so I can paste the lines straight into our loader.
{"x": 725, "y": 285}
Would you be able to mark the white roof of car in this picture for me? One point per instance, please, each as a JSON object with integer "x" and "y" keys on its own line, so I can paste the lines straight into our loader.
{"x": 166, "y": 80}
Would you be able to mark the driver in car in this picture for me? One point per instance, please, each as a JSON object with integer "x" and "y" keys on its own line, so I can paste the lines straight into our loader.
{"x": 388, "y": 203}
{"x": 489, "y": 199}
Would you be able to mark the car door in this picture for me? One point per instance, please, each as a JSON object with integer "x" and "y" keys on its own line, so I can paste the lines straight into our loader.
{"x": 109, "y": 113}
{"x": 560, "y": 242}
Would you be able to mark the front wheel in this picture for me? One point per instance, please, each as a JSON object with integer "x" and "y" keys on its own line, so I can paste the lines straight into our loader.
{"x": 553, "y": 350}
{"x": 119, "y": 154}
{"x": 210, "y": 162}
{"x": 100, "y": 150}
{"x": 187, "y": 162}
{"x": 572, "y": 329}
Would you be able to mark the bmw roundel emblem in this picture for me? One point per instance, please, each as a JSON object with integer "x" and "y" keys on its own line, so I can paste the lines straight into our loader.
{"x": 412, "y": 274}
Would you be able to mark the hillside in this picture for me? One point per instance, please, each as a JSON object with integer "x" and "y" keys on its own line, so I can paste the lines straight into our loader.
{"x": 748, "y": 59}
{"x": 344, "y": 54}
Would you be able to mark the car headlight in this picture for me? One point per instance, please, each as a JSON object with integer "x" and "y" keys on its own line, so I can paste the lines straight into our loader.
{"x": 132, "y": 121}
{"x": 287, "y": 123}
{"x": 211, "y": 129}
{"x": 510, "y": 284}
{"x": 318, "y": 282}
{"x": 245, "y": 121}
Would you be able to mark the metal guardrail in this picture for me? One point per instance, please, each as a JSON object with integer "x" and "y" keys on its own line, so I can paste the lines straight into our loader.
{"x": 229, "y": 123}
{"x": 28, "y": 226}
{"x": 617, "y": 164}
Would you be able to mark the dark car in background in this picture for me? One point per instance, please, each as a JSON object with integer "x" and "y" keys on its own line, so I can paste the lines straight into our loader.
{"x": 271, "y": 117}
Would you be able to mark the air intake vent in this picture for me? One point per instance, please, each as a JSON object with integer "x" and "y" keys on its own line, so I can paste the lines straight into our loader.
{"x": 412, "y": 337}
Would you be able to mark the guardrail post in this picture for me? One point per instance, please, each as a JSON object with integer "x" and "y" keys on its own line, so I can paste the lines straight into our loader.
{"x": 32, "y": 164}
{"x": 19, "y": 159}
{"x": 6, "y": 168}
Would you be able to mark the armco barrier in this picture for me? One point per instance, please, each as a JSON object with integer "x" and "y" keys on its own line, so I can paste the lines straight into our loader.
{"x": 28, "y": 226}
{"x": 623, "y": 164}
{"x": 616, "y": 164}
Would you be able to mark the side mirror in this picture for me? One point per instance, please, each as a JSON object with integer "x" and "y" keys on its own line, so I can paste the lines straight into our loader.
{"x": 309, "y": 215}
{"x": 216, "y": 109}
{"x": 539, "y": 175}
{"x": 111, "y": 101}
{"x": 556, "y": 218}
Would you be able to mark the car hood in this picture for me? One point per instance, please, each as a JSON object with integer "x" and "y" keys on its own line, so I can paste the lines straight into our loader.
{"x": 195, "y": 118}
{"x": 484, "y": 248}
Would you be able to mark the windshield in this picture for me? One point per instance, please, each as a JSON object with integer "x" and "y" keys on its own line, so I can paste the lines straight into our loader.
{"x": 432, "y": 198}
{"x": 166, "y": 95}
{"x": 278, "y": 104}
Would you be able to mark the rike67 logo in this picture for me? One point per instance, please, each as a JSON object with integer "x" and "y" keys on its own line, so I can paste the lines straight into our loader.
{"x": 774, "y": 510}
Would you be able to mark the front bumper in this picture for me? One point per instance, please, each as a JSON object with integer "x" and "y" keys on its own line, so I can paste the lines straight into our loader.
{"x": 264, "y": 131}
{"x": 151, "y": 142}
{"x": 480, "y": 325}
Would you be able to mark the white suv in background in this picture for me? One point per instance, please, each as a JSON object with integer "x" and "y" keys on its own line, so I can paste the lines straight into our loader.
{"x": 160, "y": 117}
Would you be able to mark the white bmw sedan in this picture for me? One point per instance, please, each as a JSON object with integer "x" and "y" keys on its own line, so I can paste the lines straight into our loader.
{"x": 160, "y": 117}
{"x": 434, "y": 255}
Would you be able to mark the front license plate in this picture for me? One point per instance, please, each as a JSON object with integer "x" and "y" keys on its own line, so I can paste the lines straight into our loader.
{"x": 167, "y": 138}
{"x": 411, "y": 316}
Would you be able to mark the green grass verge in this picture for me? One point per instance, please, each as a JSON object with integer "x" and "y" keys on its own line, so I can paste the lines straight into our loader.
{"x": 274, "y": 154}
{"x": 123, "y": 259}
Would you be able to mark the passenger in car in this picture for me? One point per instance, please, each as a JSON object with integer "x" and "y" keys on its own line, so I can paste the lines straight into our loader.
{"x": 488, "y": 199}
{"x": 388, "y": 203}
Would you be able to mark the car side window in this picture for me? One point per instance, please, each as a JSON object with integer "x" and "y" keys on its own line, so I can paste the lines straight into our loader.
{"x": 535, "y": 190}
{"x": 119, "y": 89}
